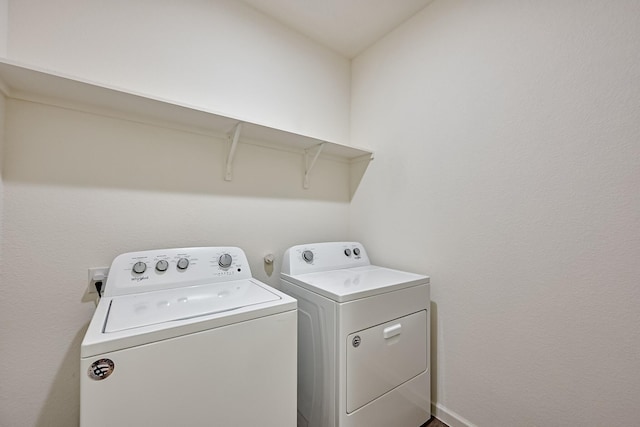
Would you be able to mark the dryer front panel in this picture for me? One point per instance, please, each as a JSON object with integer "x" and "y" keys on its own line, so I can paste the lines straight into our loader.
{"x": 385, "y": 356}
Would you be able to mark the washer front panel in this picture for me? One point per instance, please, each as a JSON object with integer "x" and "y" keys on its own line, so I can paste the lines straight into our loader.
{"x": 242, "y": 374}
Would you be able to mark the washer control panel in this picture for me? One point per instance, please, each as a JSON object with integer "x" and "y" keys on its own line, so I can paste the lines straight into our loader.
{"x": 146, "y": 271}
{"x": 314, "y": 257}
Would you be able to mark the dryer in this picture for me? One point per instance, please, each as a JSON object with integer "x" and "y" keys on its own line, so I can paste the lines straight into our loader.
{"x": 187, "y": 337}
{"x": 363, "y": 338}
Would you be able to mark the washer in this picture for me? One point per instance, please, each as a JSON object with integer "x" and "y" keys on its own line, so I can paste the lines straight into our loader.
{"x": 188, "y": 337}
{"x": 363, "y": 338}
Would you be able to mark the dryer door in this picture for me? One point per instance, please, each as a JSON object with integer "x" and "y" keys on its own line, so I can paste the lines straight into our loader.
{"x": 385, "y": 356}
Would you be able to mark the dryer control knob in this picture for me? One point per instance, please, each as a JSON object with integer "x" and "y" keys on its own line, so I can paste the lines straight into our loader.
{"x": 347, "y": 252}
{"x": 162, "y": 265}
{"x": 225, "y": 261}
{"x": 307, "y": 256}
{"x": 139, "y": 267}
{"x": 356, "y": 251}
{"x": 183, "y": 263}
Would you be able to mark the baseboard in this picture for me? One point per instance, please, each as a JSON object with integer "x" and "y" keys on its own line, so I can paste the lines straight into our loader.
{"x": 449, "y": 417}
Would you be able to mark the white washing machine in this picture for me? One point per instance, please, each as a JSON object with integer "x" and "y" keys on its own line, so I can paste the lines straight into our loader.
{"x": 363, "y": 338}
{"x": 186, "y": 337}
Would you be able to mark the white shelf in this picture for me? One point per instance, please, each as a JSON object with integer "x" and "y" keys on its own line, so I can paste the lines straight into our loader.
{"x": 25, "y": 82}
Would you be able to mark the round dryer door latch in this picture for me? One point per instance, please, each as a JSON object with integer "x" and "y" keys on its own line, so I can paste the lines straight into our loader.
{"x": 356, "y": 341}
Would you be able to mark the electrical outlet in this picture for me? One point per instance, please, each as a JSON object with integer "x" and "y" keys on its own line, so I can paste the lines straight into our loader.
{"x": 97, "y": 274}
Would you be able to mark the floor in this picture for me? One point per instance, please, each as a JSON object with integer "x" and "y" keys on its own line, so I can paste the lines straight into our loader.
{"x": 434, "y": 422}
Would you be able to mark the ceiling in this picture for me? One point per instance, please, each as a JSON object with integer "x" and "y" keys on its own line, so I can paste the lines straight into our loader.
{"x": 346, "y": 26}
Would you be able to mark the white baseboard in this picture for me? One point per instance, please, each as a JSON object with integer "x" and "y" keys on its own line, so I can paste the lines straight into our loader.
{"x": 449, "y": 417}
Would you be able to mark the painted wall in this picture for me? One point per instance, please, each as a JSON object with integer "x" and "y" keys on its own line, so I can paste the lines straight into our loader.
{"x": 80, "y": 188}
{"x": 2, "y": 112}
{"x": 3, "y": 50}
{"x": 4, "y": 26}
{"x": 220, "y": 55}
{"x": 507, "y": 168}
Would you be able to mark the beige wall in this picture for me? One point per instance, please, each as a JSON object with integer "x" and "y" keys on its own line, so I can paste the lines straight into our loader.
{"x": 507, "y": 168}
{"x": 221, "y": 55}
{"x": 3, "y": 51}
{"x": 2, "y": 114}
{"x": 4, "y": 27}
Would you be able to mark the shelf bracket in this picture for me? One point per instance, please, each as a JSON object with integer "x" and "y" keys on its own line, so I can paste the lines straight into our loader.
{"x": 232, "y": 151}
{"x": 307, "y": 166}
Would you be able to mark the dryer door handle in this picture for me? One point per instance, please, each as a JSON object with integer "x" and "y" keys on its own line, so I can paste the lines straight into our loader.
{"x": 392, "y": 331}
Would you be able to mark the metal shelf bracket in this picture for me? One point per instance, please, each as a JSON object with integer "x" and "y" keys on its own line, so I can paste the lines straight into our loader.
{"x": 232, "y": 151}
{"x": 309, "y": 166}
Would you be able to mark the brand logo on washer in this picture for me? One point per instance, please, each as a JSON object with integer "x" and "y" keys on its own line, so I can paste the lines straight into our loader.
{"x": 356, "y": 341}
{"x": 100, "y": 369}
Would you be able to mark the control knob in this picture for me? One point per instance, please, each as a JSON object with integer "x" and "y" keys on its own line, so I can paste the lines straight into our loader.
{"x": 225, "y": 261}
{"x": 183, "y": 263}
{"x": 356, "y": 251}
{"x": 347, "y": 252}
{"x": 162, "y": 265}
{"x": 307, "y": 256}
{"x": 139, "y": 267}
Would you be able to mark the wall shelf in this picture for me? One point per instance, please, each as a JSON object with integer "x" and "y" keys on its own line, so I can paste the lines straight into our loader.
{"x": 18, "y": 81}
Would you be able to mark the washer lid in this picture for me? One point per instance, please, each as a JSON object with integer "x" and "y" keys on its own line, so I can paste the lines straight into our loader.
{"x": 151, "y": 308}
{"x": 359, "y": 282}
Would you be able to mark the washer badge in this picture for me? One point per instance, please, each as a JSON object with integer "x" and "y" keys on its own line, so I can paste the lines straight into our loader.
{"x": 101, "y": 369}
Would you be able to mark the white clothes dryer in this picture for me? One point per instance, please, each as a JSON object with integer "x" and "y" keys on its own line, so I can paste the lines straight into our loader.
{"x": 363, "y": 338}
{"x": 186, "y": 337}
